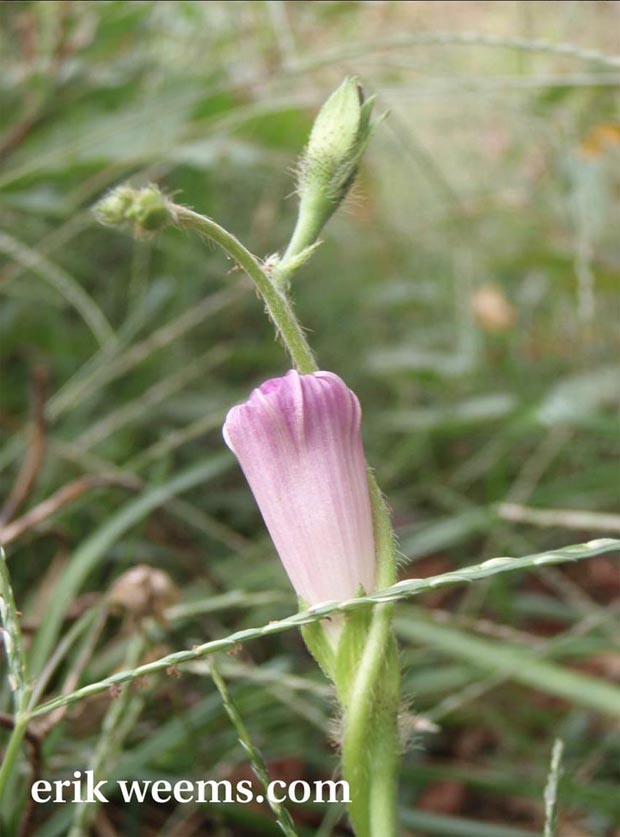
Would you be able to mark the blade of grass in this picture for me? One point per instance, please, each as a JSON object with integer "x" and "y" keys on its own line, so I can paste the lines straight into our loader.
{"x": 95, "y": 547}
{"x": 110, "y": 742}
{"x": 62, "y": 282}
{"x": 445, "y": 826}
{"x": 283, "y": 817}
{"x": 609, "y": 697}
{"x": 19, "y": 681}
{"x": 111, "y": 368}
{"x": 143, "y": 405}
{"x": 512, "y": 661}
{"x": 361, "y": 48}
{"x": 551, "y": 790}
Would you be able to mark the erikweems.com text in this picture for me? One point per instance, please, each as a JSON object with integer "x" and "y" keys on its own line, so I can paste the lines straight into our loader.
{"x": 84, "y": 788}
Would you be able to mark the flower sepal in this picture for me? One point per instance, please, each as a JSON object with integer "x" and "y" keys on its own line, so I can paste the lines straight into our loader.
{"x": 337, "y": 644}
{"x": 318, "y": 643}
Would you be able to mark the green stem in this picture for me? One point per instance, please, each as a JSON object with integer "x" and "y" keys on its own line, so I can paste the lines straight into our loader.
{"x": 275, "y": 299}
{"x": 12, "y": 751}
{"x": 385, "y": 761}
{"x": 310, "y": 221}
{"x": 370, "y": 732}
{"x": 370, "y": 746}
{"x": 309, "y": 225}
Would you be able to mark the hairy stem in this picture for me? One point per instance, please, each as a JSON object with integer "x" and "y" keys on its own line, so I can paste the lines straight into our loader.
{"x": 277, "y": 303}
{"x": 370, "y": 732}
{"x": 370, "y": 748}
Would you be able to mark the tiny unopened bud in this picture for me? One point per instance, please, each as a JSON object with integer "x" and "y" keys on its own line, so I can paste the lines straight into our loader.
{"x": 328, "y": 167}
{"x": 146, "y": 208}
{"x": 337, "y": 140}
{"x": 112, "y": 209}
{"x": 143, "y": 591}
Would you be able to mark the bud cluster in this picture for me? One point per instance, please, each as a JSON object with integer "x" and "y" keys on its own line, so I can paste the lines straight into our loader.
{"x": 146, "y": 208}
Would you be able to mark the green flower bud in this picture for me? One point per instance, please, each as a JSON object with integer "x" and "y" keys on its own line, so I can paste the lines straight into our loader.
{"x": 327, "y": 169}
{"x": 148, "y": 208}
{"x": 112, "y": 209}
{"x": 337, "y": 141}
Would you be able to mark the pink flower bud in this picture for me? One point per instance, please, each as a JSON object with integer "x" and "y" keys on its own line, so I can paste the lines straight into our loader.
{"x": 299, "y": 444}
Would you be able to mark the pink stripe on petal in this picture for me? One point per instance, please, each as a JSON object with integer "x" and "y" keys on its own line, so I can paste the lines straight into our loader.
{"x": 298, "y": 441}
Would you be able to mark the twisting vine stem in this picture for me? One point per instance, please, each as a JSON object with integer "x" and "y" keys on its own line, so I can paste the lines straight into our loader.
{"x": 276, "y": 300}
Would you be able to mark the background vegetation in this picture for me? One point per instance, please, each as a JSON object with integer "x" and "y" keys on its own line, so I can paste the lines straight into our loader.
{"x": 469, "y": 292}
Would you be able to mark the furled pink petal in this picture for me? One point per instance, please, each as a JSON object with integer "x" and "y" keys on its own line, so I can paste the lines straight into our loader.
{"x": 298, "y": 441}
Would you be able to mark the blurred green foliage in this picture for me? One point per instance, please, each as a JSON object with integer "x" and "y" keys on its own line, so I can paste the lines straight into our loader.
{"x": 469, "y": 291}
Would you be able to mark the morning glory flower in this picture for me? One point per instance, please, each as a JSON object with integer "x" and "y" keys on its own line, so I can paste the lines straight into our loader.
{"x": 298, "y": 441}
